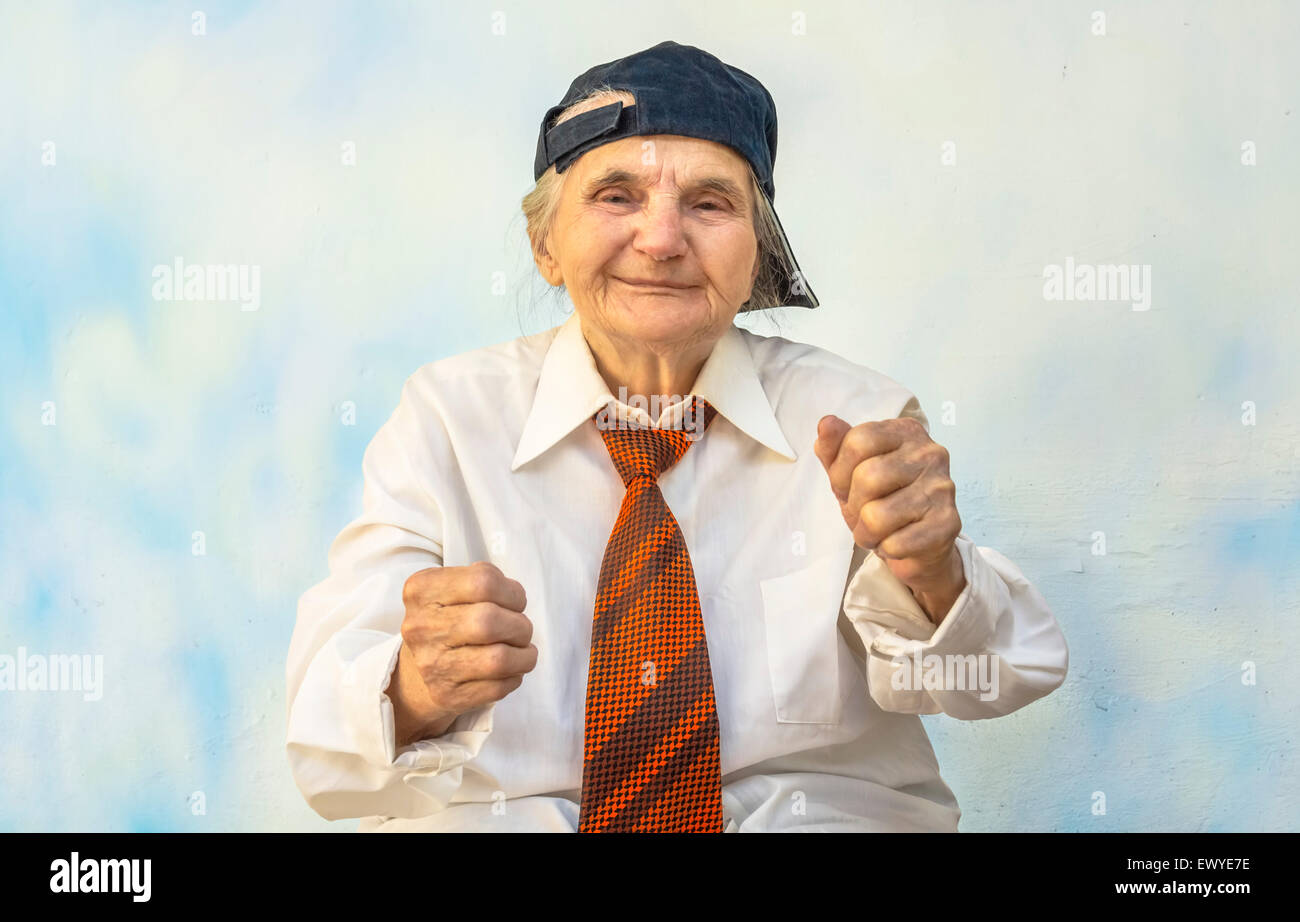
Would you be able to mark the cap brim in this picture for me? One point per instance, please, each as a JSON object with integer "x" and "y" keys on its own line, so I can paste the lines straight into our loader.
{"x": 797, "y": 291}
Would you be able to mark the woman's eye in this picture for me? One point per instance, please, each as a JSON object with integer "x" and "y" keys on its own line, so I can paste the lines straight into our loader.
{"x": 611, "y": 196}
{"x": 711, "y": 205}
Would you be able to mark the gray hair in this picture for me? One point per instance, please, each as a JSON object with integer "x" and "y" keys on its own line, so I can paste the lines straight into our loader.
{"x": 541, "y": 203}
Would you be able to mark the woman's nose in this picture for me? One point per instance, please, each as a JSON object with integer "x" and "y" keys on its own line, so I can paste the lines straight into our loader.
{"x": 660, "y": 232}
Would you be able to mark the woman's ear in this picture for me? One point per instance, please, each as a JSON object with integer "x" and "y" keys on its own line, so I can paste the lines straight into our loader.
{"x": 546, "y": 264}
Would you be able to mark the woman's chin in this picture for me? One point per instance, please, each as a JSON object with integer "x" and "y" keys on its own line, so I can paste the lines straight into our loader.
{"x": 664, "y": 318}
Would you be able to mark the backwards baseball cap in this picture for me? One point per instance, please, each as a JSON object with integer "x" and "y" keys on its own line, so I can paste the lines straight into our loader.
{"x": 680, "y": 90}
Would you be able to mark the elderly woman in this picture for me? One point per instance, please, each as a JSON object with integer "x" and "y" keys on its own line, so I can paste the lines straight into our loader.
{"x": 648, "y": 571}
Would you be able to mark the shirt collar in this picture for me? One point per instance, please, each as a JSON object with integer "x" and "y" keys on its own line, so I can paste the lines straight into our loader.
{"x": 570, "y": 390}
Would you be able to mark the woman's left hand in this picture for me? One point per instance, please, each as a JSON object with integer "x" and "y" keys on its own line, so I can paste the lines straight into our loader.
{"x": 892, "y": 483}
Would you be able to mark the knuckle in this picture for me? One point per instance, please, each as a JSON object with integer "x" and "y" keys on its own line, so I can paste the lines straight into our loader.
{"x": 863, "y": 476}
{"x": 415, "y": 630}
{"x": 479, "y": 580}
{"x": 856, "y": 439}
{"x": 498, "y": 660}
{"x": 945, "y": 488}
{"x": 412, "y": 587}
{"x": 419, "y": 586}
{"x": 477, "y": 619}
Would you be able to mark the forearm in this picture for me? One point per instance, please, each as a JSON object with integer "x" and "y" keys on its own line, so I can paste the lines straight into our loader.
{"x": 1003, "y": 627}
{"x": 340, "y": 734}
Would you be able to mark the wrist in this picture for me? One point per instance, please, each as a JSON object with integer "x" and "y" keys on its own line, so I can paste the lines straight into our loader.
{"x": 937, "y": 596}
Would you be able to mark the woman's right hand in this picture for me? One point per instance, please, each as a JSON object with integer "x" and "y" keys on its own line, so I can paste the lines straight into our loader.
{"x": 465, "y": 643}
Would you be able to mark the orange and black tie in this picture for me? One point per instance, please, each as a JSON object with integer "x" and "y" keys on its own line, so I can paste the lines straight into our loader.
{"x": 651, "y": 753}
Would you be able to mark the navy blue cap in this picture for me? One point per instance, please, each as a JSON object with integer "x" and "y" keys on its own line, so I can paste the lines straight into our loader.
{"x": 680, "y": 90}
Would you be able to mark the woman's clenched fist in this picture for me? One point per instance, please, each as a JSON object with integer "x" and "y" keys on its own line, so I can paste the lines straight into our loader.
{"x": 465, "y": 643}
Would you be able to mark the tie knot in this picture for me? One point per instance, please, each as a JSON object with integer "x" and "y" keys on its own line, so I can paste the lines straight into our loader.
{"x": 638, "y": 451}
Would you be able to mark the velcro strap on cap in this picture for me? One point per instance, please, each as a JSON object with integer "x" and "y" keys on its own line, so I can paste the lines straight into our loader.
{"x": 580, "y": 129}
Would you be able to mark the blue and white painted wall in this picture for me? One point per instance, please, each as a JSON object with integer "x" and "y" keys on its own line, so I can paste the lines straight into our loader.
{"x": 172, "y": 471}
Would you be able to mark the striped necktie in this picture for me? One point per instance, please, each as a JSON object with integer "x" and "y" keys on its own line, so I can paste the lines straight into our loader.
{"x": 651, "y": 751}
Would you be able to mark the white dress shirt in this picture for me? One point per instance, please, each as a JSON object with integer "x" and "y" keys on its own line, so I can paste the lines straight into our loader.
{"x": 492, "y": 455}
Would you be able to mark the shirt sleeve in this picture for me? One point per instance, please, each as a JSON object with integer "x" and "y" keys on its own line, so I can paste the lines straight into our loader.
{"x": 998, "y": 648}
{"x": 340, "y": 737}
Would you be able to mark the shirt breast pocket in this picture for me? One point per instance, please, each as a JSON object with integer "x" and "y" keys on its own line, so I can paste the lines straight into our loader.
{"x": 800, "y": 611}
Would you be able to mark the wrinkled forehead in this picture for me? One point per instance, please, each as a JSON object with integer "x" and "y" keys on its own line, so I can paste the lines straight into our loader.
{"x": 654, "y": 158}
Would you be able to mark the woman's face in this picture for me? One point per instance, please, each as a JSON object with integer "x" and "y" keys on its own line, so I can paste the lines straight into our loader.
{"x": 654, "y": 240}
